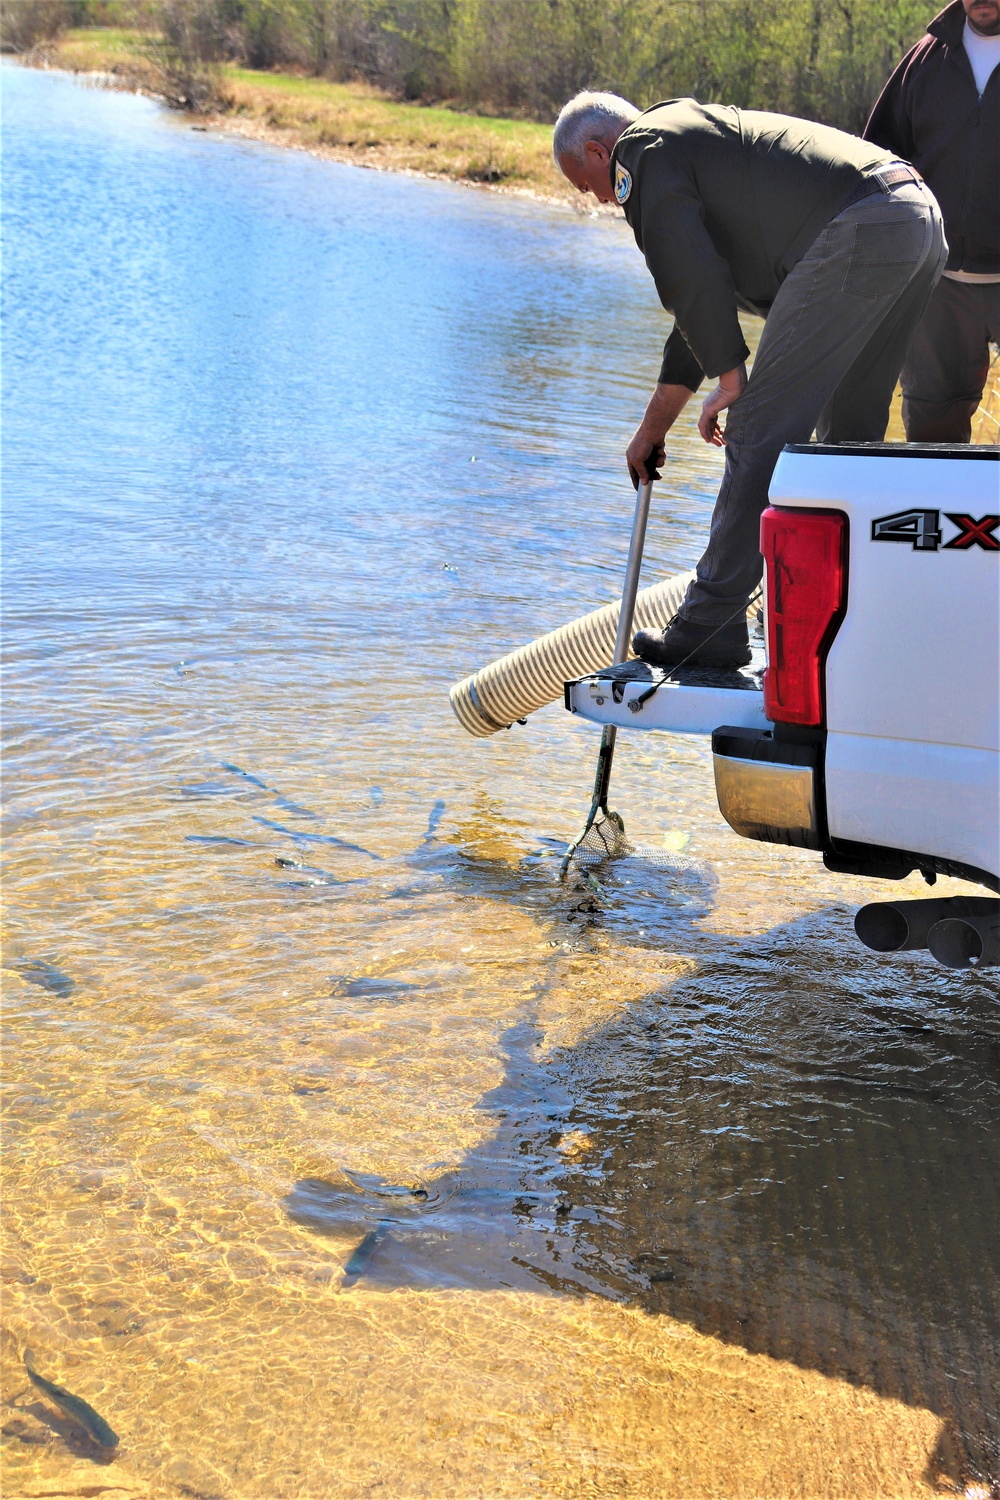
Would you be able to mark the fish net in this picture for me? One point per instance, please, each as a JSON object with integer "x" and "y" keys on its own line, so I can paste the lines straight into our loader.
{"x": 603, "y": 837}
{"x": 606, "y": 840}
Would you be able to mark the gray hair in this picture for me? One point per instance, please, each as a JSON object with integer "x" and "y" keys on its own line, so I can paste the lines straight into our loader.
{"x": 590, "y": 117}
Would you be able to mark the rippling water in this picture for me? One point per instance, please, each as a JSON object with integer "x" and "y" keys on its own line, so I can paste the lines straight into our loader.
{"x": 346, "y": 1152}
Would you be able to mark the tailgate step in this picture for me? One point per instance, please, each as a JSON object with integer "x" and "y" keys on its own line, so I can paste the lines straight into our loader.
{"x": 684, "y": 700}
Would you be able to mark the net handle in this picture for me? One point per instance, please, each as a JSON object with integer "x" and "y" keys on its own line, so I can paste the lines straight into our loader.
{"x": 623, "y": 639}
{"x": 631, "y": 586}
{"x": 626, "y": 614}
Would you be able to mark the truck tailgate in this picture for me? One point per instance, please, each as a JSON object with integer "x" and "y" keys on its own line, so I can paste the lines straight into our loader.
{"x": 687, "y": 700}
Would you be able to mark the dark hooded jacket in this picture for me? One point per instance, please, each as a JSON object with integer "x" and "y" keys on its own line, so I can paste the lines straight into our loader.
{"x": 723, "y": 203}
{"x": 931, "y": 114}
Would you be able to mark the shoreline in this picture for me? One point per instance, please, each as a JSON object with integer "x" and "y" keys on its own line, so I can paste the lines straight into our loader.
{"x": 285, "y": 140}
{"x": 348, "y": 123}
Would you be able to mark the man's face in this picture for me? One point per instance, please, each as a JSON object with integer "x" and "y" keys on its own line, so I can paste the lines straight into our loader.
{"x": 984, "y": 16}
{"x": 593, "y": 173}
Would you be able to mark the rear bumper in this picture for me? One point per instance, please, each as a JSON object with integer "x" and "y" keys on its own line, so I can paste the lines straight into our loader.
{"x": 767, "y": 790}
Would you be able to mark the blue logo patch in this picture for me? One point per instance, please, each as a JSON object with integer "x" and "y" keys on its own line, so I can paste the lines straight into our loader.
{"x": 623, "y": 184}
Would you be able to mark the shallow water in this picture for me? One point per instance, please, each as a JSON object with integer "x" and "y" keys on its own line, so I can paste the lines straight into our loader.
{"x": 346, "y": 1152}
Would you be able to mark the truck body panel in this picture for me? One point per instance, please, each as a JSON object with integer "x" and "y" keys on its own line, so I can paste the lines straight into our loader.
{"x": 900, "y": 794}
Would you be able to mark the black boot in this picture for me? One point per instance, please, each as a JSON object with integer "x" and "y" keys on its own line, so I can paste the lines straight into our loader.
{"x": 694, "y": 644}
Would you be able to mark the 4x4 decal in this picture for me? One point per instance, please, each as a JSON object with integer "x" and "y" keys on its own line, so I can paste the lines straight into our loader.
{"x": 922, "y": 529}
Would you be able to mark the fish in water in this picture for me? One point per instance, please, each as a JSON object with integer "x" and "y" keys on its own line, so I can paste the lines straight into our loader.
{"x": 370, "y": 987}
{"x": 437, "y": 813}
{"x": 293, "y": 807}
{"x": 45, "y": 975}
{"x": 74, "y": 1407}
{"x": 362, "y": 1254}
{"x": 239, "y": 771}
{"x": 316, "y": 838}
{"x": 219, "y": 841}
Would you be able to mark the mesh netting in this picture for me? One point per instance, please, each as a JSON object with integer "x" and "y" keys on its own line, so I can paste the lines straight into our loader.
{"x": 606, "y": 840}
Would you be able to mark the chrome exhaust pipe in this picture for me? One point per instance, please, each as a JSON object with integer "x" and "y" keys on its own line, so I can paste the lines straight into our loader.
{"x": 970, "y": 942}
{"x": 905, "y": 926}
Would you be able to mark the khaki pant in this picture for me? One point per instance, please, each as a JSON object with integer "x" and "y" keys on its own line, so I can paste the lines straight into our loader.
{"x": 946, "y": 364}
{"x": 828, "y": 360}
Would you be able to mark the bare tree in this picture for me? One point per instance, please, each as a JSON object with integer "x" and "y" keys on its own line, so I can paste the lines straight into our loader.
{"x": 26, "y": 23}
{"x": 185, "y": 54}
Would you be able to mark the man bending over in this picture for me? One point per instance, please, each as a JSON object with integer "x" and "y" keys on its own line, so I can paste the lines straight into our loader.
{"x": 836, "y": 244}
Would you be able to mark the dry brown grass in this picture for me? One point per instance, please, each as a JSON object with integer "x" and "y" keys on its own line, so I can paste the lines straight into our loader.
{"x": 351, "y": 122}
{"x": 986, "y": 423}
{"x": 118, "y": 56}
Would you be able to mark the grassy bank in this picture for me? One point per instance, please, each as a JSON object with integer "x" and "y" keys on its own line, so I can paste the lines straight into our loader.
{"x": 348, "y": 122}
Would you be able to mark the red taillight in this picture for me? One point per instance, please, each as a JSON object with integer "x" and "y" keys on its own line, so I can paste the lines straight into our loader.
{"x": 804, "y": 574}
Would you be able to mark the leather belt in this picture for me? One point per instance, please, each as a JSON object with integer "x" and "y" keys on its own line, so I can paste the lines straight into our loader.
{"x": 883, "y": 180}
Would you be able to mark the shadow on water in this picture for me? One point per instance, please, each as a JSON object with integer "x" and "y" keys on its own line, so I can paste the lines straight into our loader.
{"x": 792, "y": 1148}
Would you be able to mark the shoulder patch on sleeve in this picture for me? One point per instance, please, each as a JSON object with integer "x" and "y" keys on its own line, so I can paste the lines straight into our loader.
{"x": 623, "y": 184}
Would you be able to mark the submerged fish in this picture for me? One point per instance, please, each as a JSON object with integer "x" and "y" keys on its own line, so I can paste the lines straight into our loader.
{"x": 295, "y": 808}
{"x": 437, "y": 813}
{"x": 363, "y": 1252}
{"x": 74, "y": 1407}
{"x": 45, "y": 975}
{"x": 302, "y": 837}
{"x": 239, "y": 771}
{"x": 220, "y": 841}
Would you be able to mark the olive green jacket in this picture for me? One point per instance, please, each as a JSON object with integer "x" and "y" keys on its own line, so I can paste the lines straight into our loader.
{"x": 723, "y": 202}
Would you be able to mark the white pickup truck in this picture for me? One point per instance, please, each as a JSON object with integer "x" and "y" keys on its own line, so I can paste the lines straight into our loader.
{"x": 868, "y": 726}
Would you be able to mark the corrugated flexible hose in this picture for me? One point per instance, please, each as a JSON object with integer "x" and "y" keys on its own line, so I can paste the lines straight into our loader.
{"x": 526, "y": 679}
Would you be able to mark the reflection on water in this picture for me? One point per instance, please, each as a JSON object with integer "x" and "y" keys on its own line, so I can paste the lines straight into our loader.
{"x": 346, "y": 1151}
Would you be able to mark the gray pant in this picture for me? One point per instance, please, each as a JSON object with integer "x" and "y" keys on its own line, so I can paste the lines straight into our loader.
{"x": 828, "y": 359}
{"x": 946, "y": 364}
